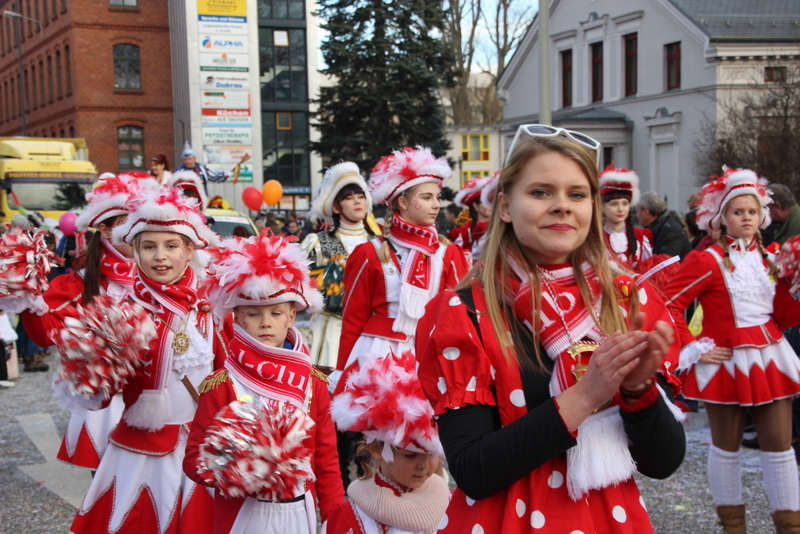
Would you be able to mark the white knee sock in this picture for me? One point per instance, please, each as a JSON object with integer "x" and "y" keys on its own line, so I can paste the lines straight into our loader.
{"x": 780, "y": 478}
{"x": 725, "y": 476}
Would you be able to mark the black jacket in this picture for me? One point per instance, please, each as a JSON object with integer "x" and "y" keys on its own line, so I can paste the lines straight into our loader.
{"x": 669, "y": 237}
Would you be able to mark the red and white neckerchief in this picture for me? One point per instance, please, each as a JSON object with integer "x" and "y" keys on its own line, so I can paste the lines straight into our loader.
{"x": 171, "y": 304}
{"x": 115, "y": 267}
{"x": 420, "y": 276}
{"x": 569, "y": 336}
{"x": 276, "y": 373}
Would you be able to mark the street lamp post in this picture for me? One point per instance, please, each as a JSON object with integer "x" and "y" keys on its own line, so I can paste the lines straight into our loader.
{"x": 17, "y": 32}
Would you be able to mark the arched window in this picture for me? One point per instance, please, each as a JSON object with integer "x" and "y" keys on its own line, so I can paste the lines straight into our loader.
{"x": 55, "y": 14}
{"x": 127, "y": 69}
{"x": 72, "y": 131}
{"x": 67, "y": 67}
{"x": 42, "y": 94}
{"x": 62, "y": 133}
{"x": 50, "y": 93}
{"x": 130, "y": 147}
{"x": 34, "y": 95}
{"x": 59, "y": 83}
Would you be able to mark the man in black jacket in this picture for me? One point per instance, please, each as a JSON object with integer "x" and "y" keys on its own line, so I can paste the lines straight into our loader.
{"x": 668, "y": 234}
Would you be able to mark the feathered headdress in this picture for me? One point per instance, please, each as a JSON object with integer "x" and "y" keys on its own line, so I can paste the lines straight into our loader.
{"x": 335, "y": 179}
{"x": 189, "y": 180}
{"x": 109, "y": 198}
{"x": 620, "y": 180}
{"x": 489, "y": 191}
{"x": 260, "y": 271}
{"x": 472, "y": 191}
{"x": 733, "y": 183}
{"x": 403, "y": 169}
{"x": 384, "y": 400}
{"x": 164, "y": 210}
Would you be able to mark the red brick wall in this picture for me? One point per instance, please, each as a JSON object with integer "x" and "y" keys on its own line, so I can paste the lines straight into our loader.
{"x": 92, "y": 108}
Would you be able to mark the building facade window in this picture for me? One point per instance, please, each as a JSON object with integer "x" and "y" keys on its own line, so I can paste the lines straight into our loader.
{"x": 125, "y": 3}
{"x": 127, "y": 68}
{"x": 285, "y": 148}
{"x": 281, "y": 9}
{"x": 282, "y": 61}
{"x": 466, "y": 176}
{"x": 631, "y": 64}
{"x": 72, "y": 132}
{"x": 55, "y": 14}
{"x": 608, "y": 156}
{"x": 566, "y": 78}
{"x": 597, "y": 72}
{"x": 42, "y": 94}
{"x": 130, "y": 148}
{"x": 673, "y": 56}
{"x": 50, "y": 94}
{"x": 775, "y": 74}
{"x": 67, "y": 68}
{"x": 59, "y": 81}
{"x": 34, "y": 94}
{"x": 27, "y": 92}
{"x": 475, "y": 147}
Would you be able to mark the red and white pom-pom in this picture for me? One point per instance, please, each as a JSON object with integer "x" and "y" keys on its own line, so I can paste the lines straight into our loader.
{"x": 787, "y": 260}
{"x": 257, "y": 450}
{"x": 24, "y": 266}
{"x": 102, "y": 348}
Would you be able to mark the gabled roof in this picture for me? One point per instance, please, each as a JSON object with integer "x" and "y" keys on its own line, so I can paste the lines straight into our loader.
{"x": 744, "y": 20}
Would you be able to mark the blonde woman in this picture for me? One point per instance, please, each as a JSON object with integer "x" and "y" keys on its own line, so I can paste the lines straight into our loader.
{"x": 540, "y": 370}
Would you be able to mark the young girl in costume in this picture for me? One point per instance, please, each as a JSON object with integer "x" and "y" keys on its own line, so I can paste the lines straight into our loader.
{"x": 264, "y": 282}
{"x": 139, "y": 486}
{"x": 390, "y": 279}
{"x": 400, "y": 490}
{"x": 343, "y": 202}
{"x": 106, "y": 269}
{"x": 538, "y": 368}
{"x": 471, "y": 234}
{"x": 741, "y": 361}
{"x": 626, "y": 244}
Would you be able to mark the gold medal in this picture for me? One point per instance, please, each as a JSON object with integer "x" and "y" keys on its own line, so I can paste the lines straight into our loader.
{"x": 180, "y": 342}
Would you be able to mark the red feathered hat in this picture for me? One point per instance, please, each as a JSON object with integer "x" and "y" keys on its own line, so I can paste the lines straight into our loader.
{"x": 260, "y": 271}
{"x": 733, "y": 183}
{"x": 384, "y": 400}
{"x": 404, "y": 169}
{"x": 472, "y": 191}
{"x": 620, "y": 180}
{"x": 109, "y": 198}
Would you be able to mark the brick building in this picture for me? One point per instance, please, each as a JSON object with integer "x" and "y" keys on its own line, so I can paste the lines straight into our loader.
{"x": 96, "y": 69}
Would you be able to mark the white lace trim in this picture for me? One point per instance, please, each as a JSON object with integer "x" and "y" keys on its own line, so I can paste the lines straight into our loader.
{"x": 691, "y": 353}
{"x": 749, "y": 280}
{"x": 619, "y": 242}
{"x": 200, "y": 351}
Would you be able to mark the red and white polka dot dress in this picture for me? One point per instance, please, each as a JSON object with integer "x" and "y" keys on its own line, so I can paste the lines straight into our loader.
{"x": 460, "y": 367}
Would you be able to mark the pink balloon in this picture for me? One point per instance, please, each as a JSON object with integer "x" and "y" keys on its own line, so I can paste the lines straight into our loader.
{"x": 67, "y": 223}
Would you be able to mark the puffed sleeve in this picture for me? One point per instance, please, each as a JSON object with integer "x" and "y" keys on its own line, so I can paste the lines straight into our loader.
{"x": 654, "y": 308}
{"x": 328, "y": 485}
{"x": 359, "y": 283}
{"x": 696, "y": 273}
{"x": 64, "y": 293}
{"x": 453, "y": 367}
{"x": 785, "y": 308}
{"x": 455, "y": 267}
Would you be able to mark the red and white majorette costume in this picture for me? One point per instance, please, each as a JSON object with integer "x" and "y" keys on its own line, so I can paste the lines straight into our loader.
{"x": 625, "y": 182}
{"x": 139, "y": 486}
{"x": 86, "y": 437}
{"x": 570, "y": 482}
{"x": 470, "y": 236}
{"x": 750, "y": 310}
{"x": 329, "y": 252}
{"x": 260, "y": 272}
{"x": 384, "y": 301}
{"x": 384, "y": 400}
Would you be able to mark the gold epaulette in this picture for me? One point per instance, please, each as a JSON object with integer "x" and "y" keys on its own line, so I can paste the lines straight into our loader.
{"x": 213, "y": 381}
{"x": 319, "y": 374}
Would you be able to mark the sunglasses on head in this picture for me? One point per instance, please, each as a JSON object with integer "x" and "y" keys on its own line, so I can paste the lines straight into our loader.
{"x": 544, "y": 130}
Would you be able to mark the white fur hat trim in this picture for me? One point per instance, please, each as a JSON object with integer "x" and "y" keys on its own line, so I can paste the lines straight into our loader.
{"x": 189, "y": 180}
{"x": 620, "y": 180}
{"x": 733, "y": 183}
{"x": 404, "y": 169}
{"x": 335, "y": 179}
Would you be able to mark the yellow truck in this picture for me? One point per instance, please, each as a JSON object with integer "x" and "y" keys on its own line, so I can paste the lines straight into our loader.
{"x": 50, "y": 176}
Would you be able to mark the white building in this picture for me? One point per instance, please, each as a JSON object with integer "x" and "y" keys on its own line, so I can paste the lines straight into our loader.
{"x": 643, "y": 77}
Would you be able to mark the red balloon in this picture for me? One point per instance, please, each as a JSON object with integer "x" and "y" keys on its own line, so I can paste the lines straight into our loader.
{"x": 272, "y": 192}
{"x": 252, "y": 198}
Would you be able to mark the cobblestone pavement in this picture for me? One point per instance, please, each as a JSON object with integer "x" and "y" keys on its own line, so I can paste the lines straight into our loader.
{"x": 680, "y": 505}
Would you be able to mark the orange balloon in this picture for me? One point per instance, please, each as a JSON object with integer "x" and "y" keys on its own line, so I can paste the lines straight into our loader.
{"x": 272, "y": 192}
